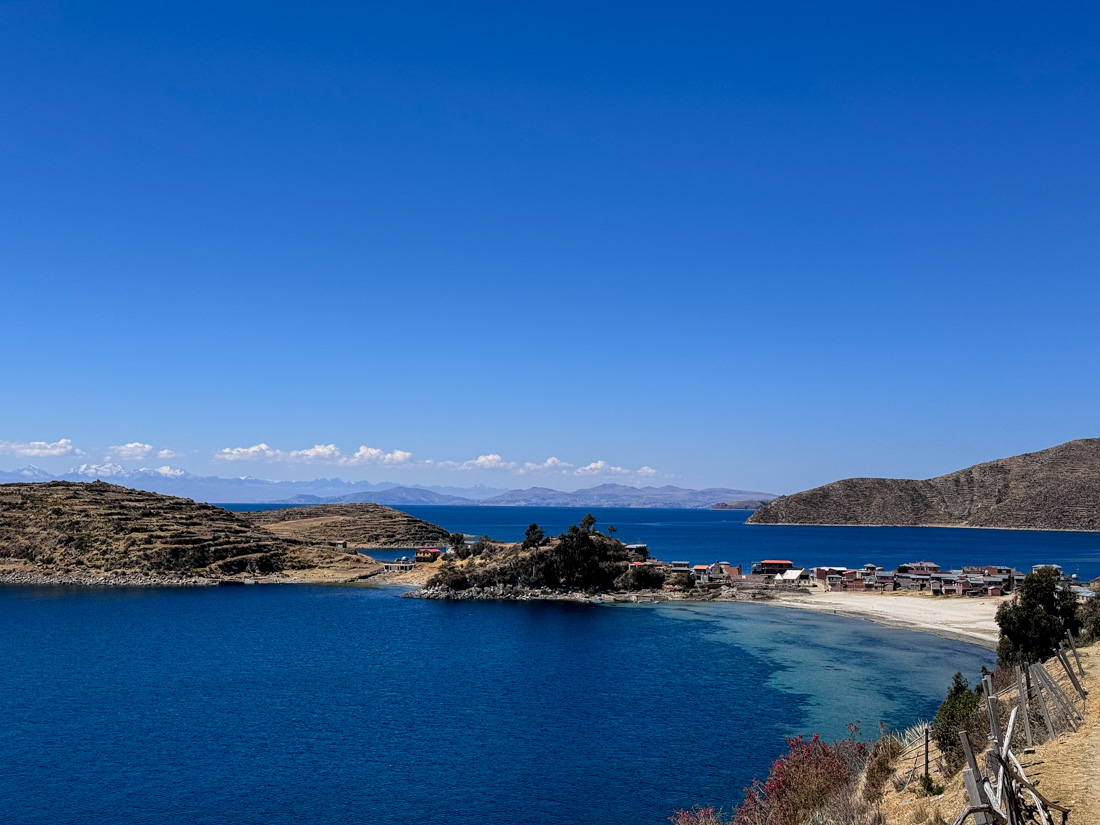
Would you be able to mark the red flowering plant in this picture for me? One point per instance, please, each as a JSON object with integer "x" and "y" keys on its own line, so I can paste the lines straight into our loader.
{"x": 809, "y": 775}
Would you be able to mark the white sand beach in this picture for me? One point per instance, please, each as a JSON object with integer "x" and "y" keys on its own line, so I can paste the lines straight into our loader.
{"x": 953, "y": 617}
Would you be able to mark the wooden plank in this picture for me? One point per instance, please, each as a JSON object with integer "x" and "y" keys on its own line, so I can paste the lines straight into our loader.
{"x": 1084, "y": 694}
{"x": 1022, "y": 705}
{"x": 977, "y": 799}
{"x": 1062, "y": 718}
{"x": 1066, "y": 705}
{"x": 1043, "y": 706}
{"x": 1073, "y": 647}
{"x": 993, "y": 713}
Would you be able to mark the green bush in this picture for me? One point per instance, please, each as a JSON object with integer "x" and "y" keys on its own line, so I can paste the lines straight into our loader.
{"x": 961, "y": 710}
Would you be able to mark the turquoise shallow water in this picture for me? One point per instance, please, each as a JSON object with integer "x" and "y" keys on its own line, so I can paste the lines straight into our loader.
{"x": 331, "y": 704}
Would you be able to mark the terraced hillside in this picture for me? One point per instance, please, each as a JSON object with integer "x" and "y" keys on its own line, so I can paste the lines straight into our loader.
{"x": 1053, "y": 489}
{"x": 84, "y": 533}
{"x": 360, "y": 525}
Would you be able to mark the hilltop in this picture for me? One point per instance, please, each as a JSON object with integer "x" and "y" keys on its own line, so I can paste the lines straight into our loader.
{"x": 360, "y": 525}
{"x": 87, "y": 533}
{"x": 1053, "y": 489}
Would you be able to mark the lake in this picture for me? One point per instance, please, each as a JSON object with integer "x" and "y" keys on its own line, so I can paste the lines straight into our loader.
{"x": 284, "y": 704}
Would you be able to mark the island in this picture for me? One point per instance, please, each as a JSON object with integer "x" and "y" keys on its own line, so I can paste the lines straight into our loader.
{"x": 1053, "y": 489}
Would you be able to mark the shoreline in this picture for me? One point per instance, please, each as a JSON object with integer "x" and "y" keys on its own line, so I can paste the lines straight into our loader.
{"x": 748, "y": 523}
{"x": 971, "y": 620}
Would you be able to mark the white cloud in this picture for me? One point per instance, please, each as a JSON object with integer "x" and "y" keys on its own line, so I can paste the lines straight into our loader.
{"x": 602, "y": 468}
{"x": 256, "y": 452}
{"x": 39, "y": 449}
{"x": 319, "y": 453}
{"x": 373, "y": 455}
{"x": 551, "y": 465}
{"x": 169, "y": 472}
{"x": 135, "y": 450}
{"x": 168, "y": 454}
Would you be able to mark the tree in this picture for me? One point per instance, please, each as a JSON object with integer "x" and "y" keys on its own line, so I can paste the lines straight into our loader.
{"x": 612, "y": 530}
{"x": 482, "y": 545}
{"x": 457, "y": 540}
{"x": 1037, "y": 618}
{"x": 588, "y": 522}
{"x": 534, "y": 537}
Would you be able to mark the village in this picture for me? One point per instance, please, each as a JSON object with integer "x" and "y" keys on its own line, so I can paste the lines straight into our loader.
{"x": 972, "y": 581}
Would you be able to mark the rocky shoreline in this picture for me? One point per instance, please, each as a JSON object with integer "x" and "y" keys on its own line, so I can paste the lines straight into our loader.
{"x": 503, "y": 592}
{"x": 38, "y": 579}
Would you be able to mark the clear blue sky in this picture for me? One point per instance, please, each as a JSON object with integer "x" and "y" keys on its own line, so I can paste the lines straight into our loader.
{"x": 761, "y": 247}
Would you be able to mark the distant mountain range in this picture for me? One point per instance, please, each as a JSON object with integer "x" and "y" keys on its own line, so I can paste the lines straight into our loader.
{"x": 170, "y": 481}
{"x": 1053, "y": 489}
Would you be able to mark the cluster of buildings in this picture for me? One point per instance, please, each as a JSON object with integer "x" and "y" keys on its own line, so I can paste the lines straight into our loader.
{"x": 927, "y": 576}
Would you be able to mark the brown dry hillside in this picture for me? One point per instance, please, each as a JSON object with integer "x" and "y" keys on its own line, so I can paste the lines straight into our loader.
{"x": 1054, "y": 489}
{"x": 360, "y": 525}
{"x": 88, "y": 532}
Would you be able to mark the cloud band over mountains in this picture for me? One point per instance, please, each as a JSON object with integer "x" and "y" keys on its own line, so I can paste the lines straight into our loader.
{"x": 331, "y": 454}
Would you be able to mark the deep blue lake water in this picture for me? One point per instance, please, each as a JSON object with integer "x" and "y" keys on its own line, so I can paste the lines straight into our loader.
{"x": 704, "y": 536}
{"x": 292, "y": 704}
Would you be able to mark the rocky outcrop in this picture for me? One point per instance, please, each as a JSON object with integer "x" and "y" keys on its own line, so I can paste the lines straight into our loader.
{"x": 360, "y": 525}
{"x": 1054, "y": 489}
{"x": 745, "y": 504}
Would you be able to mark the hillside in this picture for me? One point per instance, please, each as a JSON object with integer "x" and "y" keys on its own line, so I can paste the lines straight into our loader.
{"x": 1053, "y": 489}
{"x": 745, "y": 504}
{"x": 361, "y": 525}
{"x": 88, "y": 533}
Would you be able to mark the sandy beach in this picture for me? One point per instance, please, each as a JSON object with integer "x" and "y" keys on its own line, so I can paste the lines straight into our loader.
{"x": 959, "y": 618}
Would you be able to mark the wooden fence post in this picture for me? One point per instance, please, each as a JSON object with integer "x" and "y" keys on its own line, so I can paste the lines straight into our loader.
{"x": 1069, "y": 672}
{"x": 1022, "y": 704}
{"x": 1073, "y": 647}
{"x": 1042, "y": 703}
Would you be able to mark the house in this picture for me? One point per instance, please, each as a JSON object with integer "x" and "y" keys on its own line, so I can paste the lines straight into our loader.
{"x": 400, "y": 565}
{"x": 796, "y": 575}
{"x": 427, "y": 555}
{"x": 639, "y": 552}
{"x": 769, "y": 567}
{"x": 923, "y": 568}
{"x": 701, "y": 572}
{"x": 340, "y": 545}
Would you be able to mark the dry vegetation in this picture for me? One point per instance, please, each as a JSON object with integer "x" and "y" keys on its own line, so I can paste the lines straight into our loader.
{"x": 360, "y": 525}
{"x": 1055, "y": 489}
{"x": 97, "y": 532}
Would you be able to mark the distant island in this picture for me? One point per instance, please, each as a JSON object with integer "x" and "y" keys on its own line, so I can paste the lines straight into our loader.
{"x": 98, "y": 533}
{"x": 1053, "y": 489}
{"x": 744, "y": 504}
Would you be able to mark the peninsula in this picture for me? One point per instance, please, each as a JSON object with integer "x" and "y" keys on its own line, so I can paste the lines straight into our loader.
{"x": 98, "y": 533}
{"x": 1054, "y": 489}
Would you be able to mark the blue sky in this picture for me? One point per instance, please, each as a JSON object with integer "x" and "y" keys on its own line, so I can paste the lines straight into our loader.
{"x": 760, "y": 247}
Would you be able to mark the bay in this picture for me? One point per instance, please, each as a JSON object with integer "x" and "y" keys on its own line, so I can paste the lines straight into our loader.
{"x": 282, "y": 704}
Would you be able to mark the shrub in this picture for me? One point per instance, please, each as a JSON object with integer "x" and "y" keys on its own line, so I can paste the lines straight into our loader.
{"x": 682, "y": 581}
{"x": 640, "y": 577}
{"x": 450, "y": 577}
{"x": 880, "y": 766}
{"x": 1088, "y": 615}
{"x": 961, "y": 710}
{"x": 929, "y": 786}
{"x": 698, "y": 816}
{"x": 807, "y": 777}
